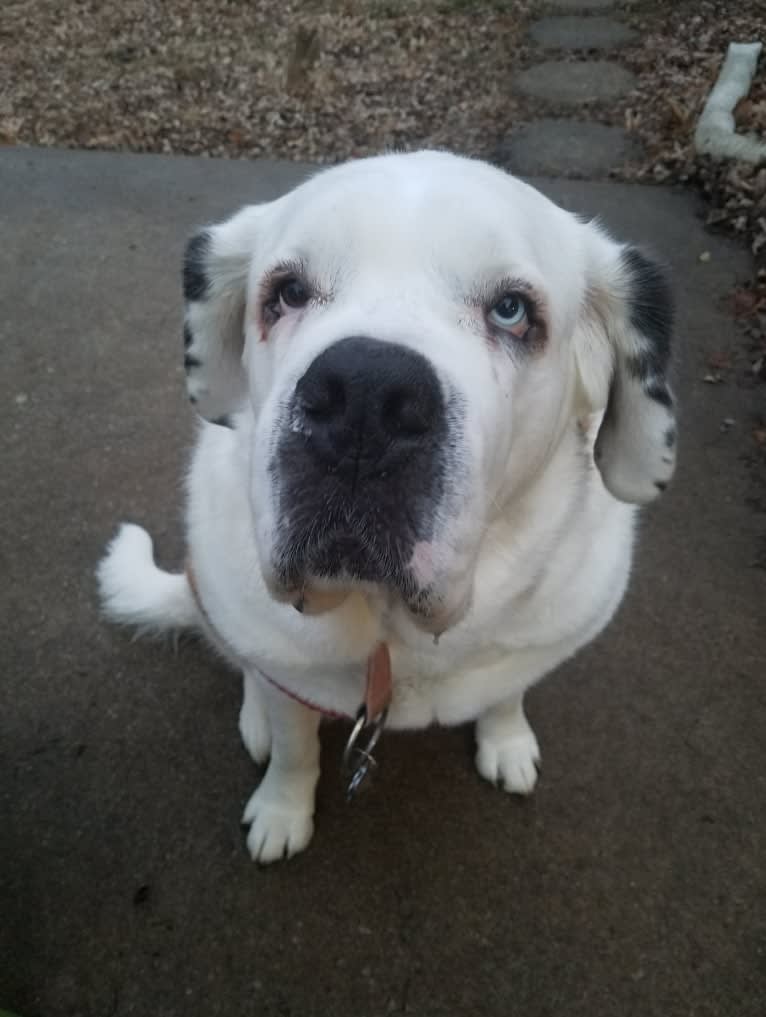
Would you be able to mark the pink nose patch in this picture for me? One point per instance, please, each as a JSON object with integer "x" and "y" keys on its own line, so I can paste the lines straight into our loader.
{"x": 422, "y": 562}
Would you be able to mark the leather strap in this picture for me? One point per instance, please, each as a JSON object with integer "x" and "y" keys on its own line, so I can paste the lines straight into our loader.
{"x": 379, "y": 685}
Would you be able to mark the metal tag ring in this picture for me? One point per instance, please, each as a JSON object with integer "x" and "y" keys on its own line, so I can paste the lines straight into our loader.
{"x": 358, "y": 760}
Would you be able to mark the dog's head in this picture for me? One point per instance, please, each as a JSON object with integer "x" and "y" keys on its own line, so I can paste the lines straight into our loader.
{"x": 413, "y": 335}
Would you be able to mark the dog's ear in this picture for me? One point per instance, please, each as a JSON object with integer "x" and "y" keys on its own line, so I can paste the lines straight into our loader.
{"x": 622, "y": 348}
{"x": 215, "y": 272}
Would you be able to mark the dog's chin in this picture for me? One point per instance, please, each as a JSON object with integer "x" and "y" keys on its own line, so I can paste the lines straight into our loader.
{"x": 433, "y": 611}
{"x": 311, "y": 595}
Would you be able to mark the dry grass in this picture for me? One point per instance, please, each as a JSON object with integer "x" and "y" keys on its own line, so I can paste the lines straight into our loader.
{"x": 249, "y": 78}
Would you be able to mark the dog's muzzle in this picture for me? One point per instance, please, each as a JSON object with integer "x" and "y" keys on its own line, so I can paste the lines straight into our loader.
{"x": 360, "y": 467}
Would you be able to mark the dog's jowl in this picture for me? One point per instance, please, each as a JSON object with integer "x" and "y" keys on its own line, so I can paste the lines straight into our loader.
{"x": 430, "y": 403}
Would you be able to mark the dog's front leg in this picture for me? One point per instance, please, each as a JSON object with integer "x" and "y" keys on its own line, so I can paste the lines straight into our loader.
{"x": 281, "y": 811}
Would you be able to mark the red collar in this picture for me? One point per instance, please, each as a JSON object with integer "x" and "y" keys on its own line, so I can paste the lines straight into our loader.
{"x": 378, "y": 689}
{"x": 304, "y": 702}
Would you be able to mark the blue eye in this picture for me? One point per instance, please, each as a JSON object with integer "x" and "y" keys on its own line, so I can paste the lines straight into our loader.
{"x": 509, "y": 312}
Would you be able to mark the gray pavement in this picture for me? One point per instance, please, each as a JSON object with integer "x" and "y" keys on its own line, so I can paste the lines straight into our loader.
{"x": 579, "y": 6}
{"x": 567, "y": 148}
{"x": 572, "y": 84}
{"x": 631, "y": 884}
{"x": 576, "y": 32}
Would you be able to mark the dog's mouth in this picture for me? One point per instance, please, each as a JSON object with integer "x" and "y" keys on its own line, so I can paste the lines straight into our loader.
{"x": 327, "y": 561}
{"x": 317, "y": 574}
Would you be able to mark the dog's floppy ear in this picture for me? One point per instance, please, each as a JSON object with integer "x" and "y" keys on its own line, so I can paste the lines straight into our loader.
{"x": 622, "y": 347}
{"x": 215, "y": 271}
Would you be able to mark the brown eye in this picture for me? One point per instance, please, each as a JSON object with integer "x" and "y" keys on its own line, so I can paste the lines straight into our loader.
{"x": 292, "y": 293}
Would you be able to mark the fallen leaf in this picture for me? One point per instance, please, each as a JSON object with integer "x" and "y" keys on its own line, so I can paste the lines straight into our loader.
{"x": 746, "y": 302}
{"x": 719, "y": 361}
{"x": 742, "y": 111}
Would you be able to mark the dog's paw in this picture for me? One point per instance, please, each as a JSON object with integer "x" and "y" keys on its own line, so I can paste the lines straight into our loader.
{"x": 277, "y": 830}
{"x": 510, "y": 762}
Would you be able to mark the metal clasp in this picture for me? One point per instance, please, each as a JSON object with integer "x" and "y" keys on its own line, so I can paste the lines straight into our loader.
{"x": 358, "y": 760}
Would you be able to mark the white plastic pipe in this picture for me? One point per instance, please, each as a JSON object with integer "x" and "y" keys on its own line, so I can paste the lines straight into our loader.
{"x": 715, "y": 134}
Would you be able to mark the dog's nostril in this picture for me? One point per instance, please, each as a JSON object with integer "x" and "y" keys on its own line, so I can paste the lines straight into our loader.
{"x": 324, "y": 398}
{"x": 405, "y": 413}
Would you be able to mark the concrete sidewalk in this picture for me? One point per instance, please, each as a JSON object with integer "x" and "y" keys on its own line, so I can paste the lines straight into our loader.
{"x": 631, "y": 884}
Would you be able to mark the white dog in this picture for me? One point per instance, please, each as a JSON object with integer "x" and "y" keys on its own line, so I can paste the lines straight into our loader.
{"x": 410, "y": 365}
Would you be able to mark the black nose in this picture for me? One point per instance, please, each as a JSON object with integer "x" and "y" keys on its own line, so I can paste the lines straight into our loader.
{"x": 363, "y": 400}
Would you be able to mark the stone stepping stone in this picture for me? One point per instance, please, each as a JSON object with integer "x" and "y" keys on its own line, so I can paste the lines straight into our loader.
{"x": 580, "y": 33}
{"x": 567, "y": 148}
{"x": 574, "y": 83}
{"x": 580, "y": 6}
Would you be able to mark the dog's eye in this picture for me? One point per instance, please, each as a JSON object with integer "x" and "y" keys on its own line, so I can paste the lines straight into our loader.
{"x": 510, "y": 313}
{"x": 292, "y": 292}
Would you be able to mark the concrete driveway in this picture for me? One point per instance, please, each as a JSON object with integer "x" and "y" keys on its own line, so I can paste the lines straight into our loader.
{"x": 631, "y": 884}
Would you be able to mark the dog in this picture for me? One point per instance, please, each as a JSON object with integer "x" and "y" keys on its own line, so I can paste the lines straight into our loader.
{"x": 432, "y": 401}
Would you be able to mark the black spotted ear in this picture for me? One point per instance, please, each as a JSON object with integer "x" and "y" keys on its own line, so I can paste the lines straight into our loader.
{"x": 215, "y": 272}
{"x": 623, "y": 348}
